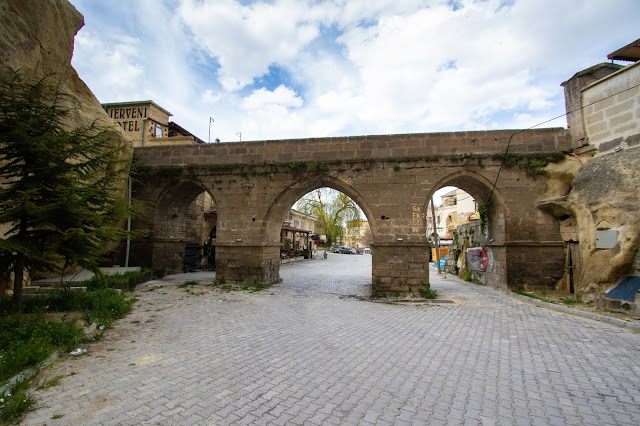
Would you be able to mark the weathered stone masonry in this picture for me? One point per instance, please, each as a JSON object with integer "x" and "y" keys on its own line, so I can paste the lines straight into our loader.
{"x": 391, "y": 177}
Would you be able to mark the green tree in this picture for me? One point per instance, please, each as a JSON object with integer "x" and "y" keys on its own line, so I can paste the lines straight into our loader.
{"x": 332, "y": 208}
{"x": 61, "y": 188}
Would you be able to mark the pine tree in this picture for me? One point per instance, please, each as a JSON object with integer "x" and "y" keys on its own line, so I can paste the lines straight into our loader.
{"x": 60, "y": 188}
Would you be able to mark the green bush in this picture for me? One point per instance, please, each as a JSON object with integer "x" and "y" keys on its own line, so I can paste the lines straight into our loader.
{"x": 102, "y": 281}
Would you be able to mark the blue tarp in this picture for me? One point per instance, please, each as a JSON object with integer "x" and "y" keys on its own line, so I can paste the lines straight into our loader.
{"x": 626, "y": 290}
{"x": 442, "y": 262}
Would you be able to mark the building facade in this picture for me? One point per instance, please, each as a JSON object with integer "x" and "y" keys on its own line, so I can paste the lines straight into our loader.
{"x": 457, "y": 208}
{"x": 357, "y": 234}
{"x": 296, "y": 234}
{"x": 147, "y": 124}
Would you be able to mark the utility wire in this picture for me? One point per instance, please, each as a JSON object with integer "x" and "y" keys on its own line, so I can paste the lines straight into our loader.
{"x": 540, "y": 124}
{"x": 547, "y": 121}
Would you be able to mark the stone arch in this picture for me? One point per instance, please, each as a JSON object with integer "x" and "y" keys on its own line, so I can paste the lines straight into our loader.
{"x": 480, "y": 188}
{"x": 179, "y": 217}
{"x": 287, "y": 198}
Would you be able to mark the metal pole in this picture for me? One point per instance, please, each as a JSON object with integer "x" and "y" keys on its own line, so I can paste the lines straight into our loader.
{"x": 126, "y": 259}
{"x": 435, "y": 233}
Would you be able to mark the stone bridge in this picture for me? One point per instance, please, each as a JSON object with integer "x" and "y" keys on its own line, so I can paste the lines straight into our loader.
{"x": 391, "y": 177}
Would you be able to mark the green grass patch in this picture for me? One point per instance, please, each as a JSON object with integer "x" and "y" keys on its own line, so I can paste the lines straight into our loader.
{"x": 27, "y": 340}
{"x": 99, "y": 306}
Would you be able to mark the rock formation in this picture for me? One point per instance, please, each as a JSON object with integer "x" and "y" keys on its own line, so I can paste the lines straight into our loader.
{"x": 36, "y": 38}
{"x": 604, "y": 195}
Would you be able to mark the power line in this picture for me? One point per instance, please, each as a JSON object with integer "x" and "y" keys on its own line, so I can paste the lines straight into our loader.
{"x": 540, "y": 124}
{"x": 547, "y": 121}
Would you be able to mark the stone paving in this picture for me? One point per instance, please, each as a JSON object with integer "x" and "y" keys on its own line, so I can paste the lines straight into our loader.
{"x": 303, "y": 353}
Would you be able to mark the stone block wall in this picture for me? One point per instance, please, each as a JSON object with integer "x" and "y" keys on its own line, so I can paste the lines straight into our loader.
{"x": 573, "y": 98}
{"x": 535, "y": 266}
{"x": 613, "y": 122}
{"x": 358, "y": 148}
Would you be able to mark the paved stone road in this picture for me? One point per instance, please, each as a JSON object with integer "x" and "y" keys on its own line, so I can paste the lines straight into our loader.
{"x": 298, "y": 354}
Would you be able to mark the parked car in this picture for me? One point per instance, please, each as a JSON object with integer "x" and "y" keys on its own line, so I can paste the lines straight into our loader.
{"x": 347, "y": 250}
{"x": 337, "y": 249}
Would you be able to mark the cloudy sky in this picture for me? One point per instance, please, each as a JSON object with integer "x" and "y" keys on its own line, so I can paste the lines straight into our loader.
{"x": 278, "y": 69}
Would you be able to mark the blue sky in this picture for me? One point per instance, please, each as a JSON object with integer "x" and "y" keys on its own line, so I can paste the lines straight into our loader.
{"x": 312, "y": 68}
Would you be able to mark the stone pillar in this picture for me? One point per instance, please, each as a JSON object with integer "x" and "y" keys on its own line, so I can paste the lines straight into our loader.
{"x": 396, "y": 266}
{"x": 247, "y": 263}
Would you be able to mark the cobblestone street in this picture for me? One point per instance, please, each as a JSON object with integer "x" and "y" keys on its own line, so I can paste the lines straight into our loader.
{"x": 301, "y": 352}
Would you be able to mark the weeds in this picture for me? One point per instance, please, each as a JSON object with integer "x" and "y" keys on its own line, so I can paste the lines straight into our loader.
{"x": 570, "y": 301}
{"x": 49, "y": 383}
{"x": 533, "y": 296}
{"x": 15, "y": 402}
{"x": 427, "y": 292}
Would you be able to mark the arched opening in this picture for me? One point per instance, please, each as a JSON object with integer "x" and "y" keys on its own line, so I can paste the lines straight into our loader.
{"x": 184, "y": 229}
{"x": 338, "y": 246}
{"x": 470, "y": 243}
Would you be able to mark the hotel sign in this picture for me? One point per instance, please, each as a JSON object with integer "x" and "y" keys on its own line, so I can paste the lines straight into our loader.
{"x": 128, "y": 118}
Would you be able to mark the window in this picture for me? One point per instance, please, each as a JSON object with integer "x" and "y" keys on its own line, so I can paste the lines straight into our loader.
{"x": 158, "y": 131}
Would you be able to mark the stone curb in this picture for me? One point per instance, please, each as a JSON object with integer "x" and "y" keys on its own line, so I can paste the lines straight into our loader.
{"x": 602, "y": 318}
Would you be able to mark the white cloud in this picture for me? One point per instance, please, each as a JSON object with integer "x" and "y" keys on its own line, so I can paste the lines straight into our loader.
{"x": 119, "y": 75}
{"x": 282, "y": 96}
{"x": 247, "y": 39}
{"x": 208, "y": 97}
{"x": 350, "y": 66}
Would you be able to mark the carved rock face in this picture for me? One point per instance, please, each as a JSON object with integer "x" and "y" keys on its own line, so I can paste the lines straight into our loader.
{"x": 606, "y": 195}
{"x": 602, "y": 195}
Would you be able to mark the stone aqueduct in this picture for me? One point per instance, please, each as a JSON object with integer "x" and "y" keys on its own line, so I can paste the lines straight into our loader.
{"x": 391, "y": 177}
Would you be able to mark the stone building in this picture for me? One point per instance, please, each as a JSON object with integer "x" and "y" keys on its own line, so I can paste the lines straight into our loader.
{"x": 357, "y": 234}
{"x": 295, "y": 235}
{"x": 147, "y": 124}
{"x": 458, "y": 207}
